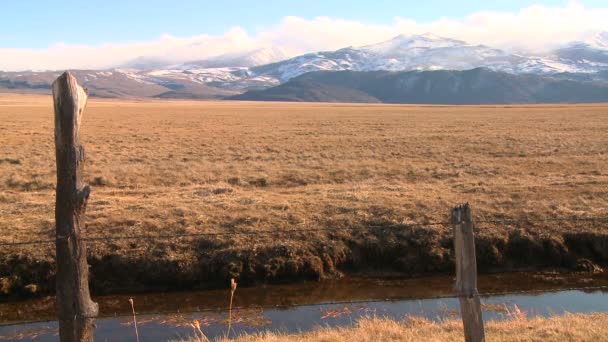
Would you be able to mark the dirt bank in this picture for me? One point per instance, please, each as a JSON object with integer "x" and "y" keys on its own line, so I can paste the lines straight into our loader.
{"x": 207, "y": 262}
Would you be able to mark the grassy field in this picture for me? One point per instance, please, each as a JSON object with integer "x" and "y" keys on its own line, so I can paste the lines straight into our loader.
{"x": 183, "y": 167}
{"x": 570, "y": 327}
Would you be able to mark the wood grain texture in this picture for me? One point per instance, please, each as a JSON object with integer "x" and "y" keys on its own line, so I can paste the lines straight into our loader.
{"x": 75, "y": 308}
{"x": 466, "y": 273}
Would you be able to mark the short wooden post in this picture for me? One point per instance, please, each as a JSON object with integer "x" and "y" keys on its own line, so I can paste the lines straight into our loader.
{"x": 466, "y": 274}
{"x": 75, "y": 308}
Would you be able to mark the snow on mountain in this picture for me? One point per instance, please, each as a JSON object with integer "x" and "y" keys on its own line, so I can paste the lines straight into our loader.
{"x": 589, "y": 55}
{"x": 226, "y": 78}
{"x": 270, "y": 66}
{"x": 419, "y": 52}
{"x": 430, "y": 52}
{"x": 599, "y": 40}
{"x": 265, "y": 56}
{"x": 403, "y": 42}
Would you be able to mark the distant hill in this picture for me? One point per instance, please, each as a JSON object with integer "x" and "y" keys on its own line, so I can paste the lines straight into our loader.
{"x": 113, "y": 83}
{"x": 476, "y": 86}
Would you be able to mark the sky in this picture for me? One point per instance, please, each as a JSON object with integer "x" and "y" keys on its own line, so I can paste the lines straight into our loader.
{"x": 57, "y": 34}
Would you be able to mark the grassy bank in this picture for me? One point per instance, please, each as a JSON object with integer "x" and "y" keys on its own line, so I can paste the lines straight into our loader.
{"x": 357, "y": 173}
{"x": 570, "y": 327}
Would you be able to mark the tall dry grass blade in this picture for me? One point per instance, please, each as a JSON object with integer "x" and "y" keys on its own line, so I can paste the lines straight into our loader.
{"x": 134, "y": 319}
{"x": 196, "y": 325}
{"x": 233, "y": 285}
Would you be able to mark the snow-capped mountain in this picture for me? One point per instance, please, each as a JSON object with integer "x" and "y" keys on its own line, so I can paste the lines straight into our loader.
{"x": 431, "y": 52}
{"x": 588, "y": 55}
{"x": 233, "y": 78}
{"x": 420, "y": 52}
{"x": 270, "y": 66}
{"x": 402, "y": 53}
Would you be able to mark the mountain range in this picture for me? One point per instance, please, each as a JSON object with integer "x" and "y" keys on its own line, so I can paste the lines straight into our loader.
{"x": 389, "y": 65}
{"x": 475, "y": 86}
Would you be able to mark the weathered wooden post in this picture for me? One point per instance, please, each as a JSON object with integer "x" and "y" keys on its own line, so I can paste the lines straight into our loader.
{"x": 466, "y": 274}
{"x": 74, "y": 305}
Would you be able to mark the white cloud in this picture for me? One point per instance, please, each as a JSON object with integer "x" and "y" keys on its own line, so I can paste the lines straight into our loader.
{"x": 532, "y": 28}
{"x": 325, "y": 33}
{"x": 173, "y": 49}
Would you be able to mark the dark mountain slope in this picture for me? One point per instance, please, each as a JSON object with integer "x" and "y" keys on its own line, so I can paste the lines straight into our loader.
{"x": 310, "y": 90}
{"x": 476, "y": 86}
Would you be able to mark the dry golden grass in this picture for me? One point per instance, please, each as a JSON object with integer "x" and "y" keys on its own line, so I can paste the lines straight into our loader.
{"x": 186, "y": 167}
{"x": 570, "y": 327}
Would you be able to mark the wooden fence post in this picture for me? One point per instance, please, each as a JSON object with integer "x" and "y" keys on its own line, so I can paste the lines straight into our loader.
{"x": 466, "y": 274}
{"x": 74, "y": 305}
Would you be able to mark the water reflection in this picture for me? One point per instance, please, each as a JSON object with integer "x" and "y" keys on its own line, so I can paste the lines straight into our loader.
{"x": 303, "y": 306}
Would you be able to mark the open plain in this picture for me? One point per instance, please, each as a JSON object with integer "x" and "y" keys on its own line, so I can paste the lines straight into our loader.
{"x": 282, "y": 191}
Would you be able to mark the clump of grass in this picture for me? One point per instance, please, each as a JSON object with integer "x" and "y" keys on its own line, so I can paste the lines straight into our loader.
{"x": 10, "y": 161}
{"x": 259, "y": 182}
{"x": 234, "y": 181}
{"x": 99, "y": 181}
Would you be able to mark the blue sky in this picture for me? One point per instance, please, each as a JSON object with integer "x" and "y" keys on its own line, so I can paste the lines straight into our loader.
{"x": 39, "y": 24}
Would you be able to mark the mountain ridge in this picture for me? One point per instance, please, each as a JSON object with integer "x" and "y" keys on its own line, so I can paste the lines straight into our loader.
{"x": 226, "y": 75}
{"x": 475, "y": 86}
